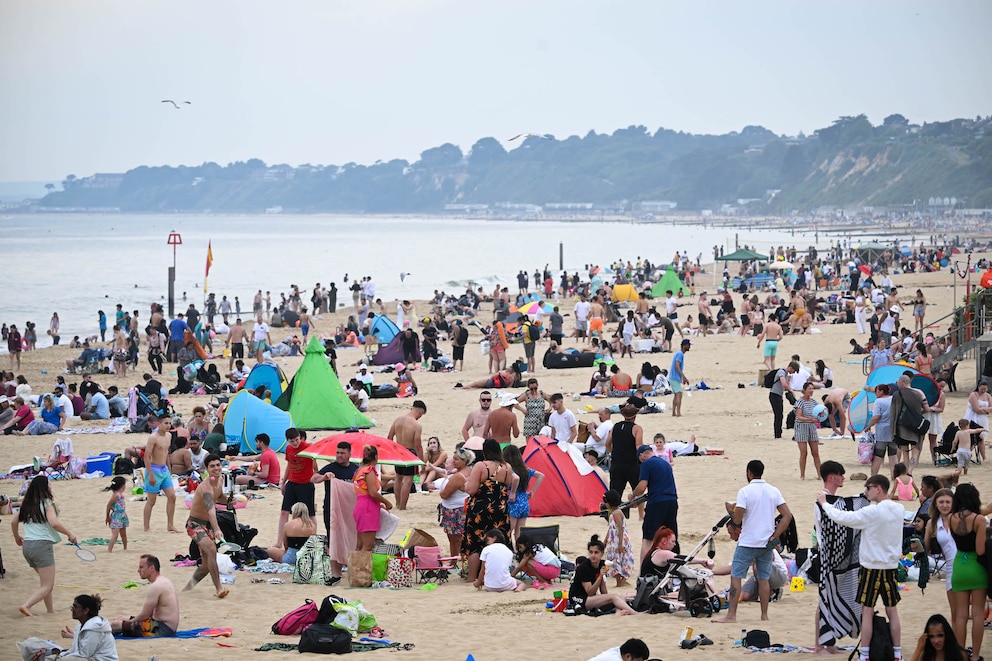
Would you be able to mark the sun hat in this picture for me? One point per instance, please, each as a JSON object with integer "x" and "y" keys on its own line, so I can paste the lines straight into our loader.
{"x": 399, "y": 367}
{"x": 362, "y": 368}
{"x": 3, "y": 399}
{"x": 508, "y": 400}
{"x": 894, "y": 310}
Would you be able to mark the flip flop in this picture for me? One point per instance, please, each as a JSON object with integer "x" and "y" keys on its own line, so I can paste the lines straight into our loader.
{"x": 703, "y": 640}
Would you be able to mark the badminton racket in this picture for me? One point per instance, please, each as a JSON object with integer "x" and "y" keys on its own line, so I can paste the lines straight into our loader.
{"x": 84, "y": 554}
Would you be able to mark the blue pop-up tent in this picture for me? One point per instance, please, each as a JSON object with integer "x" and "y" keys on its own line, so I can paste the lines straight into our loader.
{"x": 268, "y": 375}
{"x": 247, "y": 416}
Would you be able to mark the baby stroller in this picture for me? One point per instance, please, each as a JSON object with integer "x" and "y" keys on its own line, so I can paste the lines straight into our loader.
{"x": 691, "y": 583}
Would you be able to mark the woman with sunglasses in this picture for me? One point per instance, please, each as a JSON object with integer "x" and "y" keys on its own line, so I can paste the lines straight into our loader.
{"x": 535, "y": 409}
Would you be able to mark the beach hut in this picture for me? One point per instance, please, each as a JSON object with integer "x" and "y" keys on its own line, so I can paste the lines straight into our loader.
{"x": 571, "y": 487}
{"x": 384, "y": 329}
{"x": 669, "y": 281}
{"x": 315, "y": 397}
{"x": 269, "y": 375}
{"x": 247, "y": 416}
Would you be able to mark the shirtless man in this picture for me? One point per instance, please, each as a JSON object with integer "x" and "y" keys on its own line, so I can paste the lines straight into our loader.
{"x": 406, "y": 431}
{"x": 159, "y": 616}
{"x": 837, "y": 400}
{"x": 502, "y": 422}
{"x": 705, "y": 317}
{"x": 305, "y": 323}
{"x": 120, "y": 352}
{"x": 203, "y": 528}
{"x": 158, "y": 477}
{"x": 475, "y": 422}
{"x": 772, "y": 335}
{"x": 596, "y": 314}
{"x": 236, "y": 340}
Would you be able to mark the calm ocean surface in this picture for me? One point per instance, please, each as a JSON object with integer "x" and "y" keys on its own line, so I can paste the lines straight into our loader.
{"x": 78, "y": 264}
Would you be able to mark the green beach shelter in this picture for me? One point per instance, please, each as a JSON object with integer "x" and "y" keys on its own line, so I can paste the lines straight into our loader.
{"x": 315, "y": 397}
{"x": 669, "y": 281}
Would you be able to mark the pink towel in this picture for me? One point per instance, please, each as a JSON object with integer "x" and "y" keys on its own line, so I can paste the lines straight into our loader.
{"x": 343, "y": 536}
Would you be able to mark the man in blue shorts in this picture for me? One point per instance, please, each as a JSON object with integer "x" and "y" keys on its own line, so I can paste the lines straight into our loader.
{"x": 754, "y": 517}
{"x": 158, "y": 477}
{"x": 677, "y": 377}
{"x": 662, "y": 508}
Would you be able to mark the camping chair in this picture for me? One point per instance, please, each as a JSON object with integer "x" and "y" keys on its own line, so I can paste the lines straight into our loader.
{"x": 942, "y": 455}
{"x": 431, "y": 566}
{"x": 57, "y": 467}
{"x": 548, "y": 537}
{"x": 93, "y": 365}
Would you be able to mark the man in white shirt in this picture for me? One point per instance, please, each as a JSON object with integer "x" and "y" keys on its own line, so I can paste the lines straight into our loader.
{"x": 879, "y": 551}
{"x": 364, "y": 376}
{"x": 598, "y": 431}
{"x": 753, "y": 515}
{"x": 562, "y": 421}
{"x": 671, "y": 305}
{"x": 581, "y": 311}
{"x": 64, "y": 402}
{"x": 260, "y": 337}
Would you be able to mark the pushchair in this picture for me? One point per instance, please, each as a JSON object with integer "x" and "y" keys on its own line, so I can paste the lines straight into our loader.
{"x": 146, "y": 406}
{"x": 691, "y": 583}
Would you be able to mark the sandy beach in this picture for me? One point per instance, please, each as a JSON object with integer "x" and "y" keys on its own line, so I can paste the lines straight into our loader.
{"x": 455, "y": 620}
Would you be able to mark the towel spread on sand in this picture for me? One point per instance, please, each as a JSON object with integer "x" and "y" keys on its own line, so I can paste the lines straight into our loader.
{"x": 203, "y": 632}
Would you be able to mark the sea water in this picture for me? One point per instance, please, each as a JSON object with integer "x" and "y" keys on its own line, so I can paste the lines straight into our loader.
{"x": 78, "y": 264}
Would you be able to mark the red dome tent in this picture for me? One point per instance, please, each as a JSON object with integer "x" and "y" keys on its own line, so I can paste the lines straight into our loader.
{"x": 567, "y": 490}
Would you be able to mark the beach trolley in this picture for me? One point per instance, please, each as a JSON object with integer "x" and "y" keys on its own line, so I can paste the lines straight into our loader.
{"x": 691, "y": 585}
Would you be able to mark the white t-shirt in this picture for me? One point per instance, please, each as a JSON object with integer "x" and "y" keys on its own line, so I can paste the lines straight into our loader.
{"x": 799, "y": 379}
{"x": 603, "y": 430}
{"x": 363, "y": 400}
{"x": 561, "y": 424}
{"x": 65, "y": 404}
{"x": 670, "y": 305}
{"x": 582, "y": 310}
{"x": 760, "y": 502}
{"x": 260, "y": 331}
{"x": 498, "y": 558}
{"x": 545, "y": 556}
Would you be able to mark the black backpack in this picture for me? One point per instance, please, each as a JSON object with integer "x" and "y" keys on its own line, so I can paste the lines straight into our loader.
{"x": 326, "y": 614}
{"x": 769, "y": 379}
{"x": 123, "y": 466}
{"x": 881, "y": 648}
{"x": 534, "y": 332}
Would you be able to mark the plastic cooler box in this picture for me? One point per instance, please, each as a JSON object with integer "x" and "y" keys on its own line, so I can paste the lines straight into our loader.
{"x": 102, "y": 462}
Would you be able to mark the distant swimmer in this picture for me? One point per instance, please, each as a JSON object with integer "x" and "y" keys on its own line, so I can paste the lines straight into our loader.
{"x": 176, "y": 105}
{"x": 529, "y": 135}
{"x": 403, "y": 276}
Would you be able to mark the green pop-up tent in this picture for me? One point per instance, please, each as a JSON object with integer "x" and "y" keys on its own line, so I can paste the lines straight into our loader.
{"x": 669, "y": 281}
{"x": 743, "y": 255}
{"x": 315, "y": 397}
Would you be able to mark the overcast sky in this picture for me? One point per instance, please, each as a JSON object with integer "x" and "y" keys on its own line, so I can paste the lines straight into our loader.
{"x": 333, "y": 81}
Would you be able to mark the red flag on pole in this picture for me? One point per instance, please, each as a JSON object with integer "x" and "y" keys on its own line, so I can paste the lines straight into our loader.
{"x": 210, "y": 260}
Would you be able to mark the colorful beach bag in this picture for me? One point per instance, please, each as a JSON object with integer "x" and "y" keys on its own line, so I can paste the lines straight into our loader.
{"x": 399, "y": 572}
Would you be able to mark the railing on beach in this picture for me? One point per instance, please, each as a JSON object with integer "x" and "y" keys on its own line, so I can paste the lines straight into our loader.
{"x": 965, "y": 325}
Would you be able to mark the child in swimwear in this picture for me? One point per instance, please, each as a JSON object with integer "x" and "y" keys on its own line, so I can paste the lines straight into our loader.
{"x": 903, "y": 487}
{"x": 963, "y": 443}
{"x": 117, "y": 513}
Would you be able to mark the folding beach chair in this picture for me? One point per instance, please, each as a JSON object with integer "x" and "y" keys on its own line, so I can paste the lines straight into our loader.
{"x": 58, "y": 466}
{"x": 431, "y": 566}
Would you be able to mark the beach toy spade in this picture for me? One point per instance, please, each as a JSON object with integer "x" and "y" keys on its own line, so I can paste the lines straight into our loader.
{"x": 798, "y": 584}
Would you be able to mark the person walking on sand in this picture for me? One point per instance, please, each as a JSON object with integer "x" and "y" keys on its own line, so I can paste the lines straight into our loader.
{"x": 236, "y": 341}
{"x": 202, "y": 526}
{"x": 158, "y": 478}
{"x": 260, "y": 337}
{"x": 117, "y": 513}
{"x": 879, "y": 552}
{"x": 772, "y": 335}
{"x": 678, "y": 378}
{"x": 159, "y": 616}
{"x": 41, "y": 532}
{"x": 753, "y": 520}
{"x": 14, "y": 346}
{"x": 406, "y": 430}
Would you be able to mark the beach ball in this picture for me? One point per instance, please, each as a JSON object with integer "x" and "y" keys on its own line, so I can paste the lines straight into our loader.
{"x": 820, "y": 412}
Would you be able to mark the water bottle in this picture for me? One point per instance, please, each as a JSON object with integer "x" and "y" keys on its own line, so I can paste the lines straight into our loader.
{"x": 711, "y": 552}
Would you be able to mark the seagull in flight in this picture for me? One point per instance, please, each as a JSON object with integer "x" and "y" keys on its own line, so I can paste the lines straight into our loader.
{"x": 176, "y": 105}
{"x": 529, "y": 135}
{"x": 403, "y": 276}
